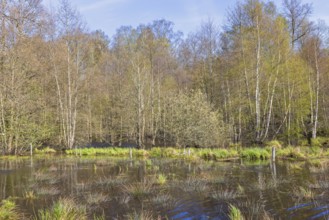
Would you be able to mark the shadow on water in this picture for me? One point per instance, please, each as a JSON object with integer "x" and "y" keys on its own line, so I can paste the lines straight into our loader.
{"x": 123, "y": 189}
{"x": 310, "y": 210}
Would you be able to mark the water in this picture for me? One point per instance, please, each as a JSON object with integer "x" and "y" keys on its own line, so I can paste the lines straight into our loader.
{"x": 121, "y": 188}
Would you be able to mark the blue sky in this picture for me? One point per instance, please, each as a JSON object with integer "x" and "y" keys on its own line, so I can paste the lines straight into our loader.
{"x": 187, "y": 15}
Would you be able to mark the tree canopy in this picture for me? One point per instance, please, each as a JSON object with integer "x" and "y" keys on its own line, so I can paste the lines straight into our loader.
{"x": 261, "y": 77}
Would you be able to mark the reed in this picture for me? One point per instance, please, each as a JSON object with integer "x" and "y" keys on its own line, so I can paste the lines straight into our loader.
{"x": 30, "y": 195}
{"x": 225, "y": 194}
{"x": 138, "y": 190}
{"x": 96, "y": 198}
{"x": 142, "y": 215}
{"x": 303, "y": 193}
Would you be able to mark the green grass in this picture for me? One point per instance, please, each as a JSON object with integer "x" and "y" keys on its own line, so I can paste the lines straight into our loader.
{"x": 255, "y": 154}
{"x": 110, "y": 151}
{"x": 235, "y": 213}
{"x": 46, "y": 150}
{"x": 99, "y": 151}
{"x": 304, "y": 193}
{"x": 8, "y": 210}
{"x": 63, "y": 209}
{"x": 30, "y": 195}
{"x": 96, "y": 198}
{"x": 165, "y": 152}
{"x": 138, "y": 190}
{"x": 161, "y": 179}
{"x": 292, "y": 152}
{"x": 217, "y": 154}
{"x": 141, "y": 215}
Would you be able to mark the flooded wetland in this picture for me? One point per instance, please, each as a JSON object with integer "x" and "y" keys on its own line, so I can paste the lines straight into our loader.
{"x": 112, "y": 188}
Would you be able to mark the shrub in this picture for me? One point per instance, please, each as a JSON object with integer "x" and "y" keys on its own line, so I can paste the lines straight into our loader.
{"x": 193, "y": 122}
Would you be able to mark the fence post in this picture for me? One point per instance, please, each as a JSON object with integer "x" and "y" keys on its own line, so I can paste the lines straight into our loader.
{"x": 31, "y": 149}
{"x": 273, "y": 154}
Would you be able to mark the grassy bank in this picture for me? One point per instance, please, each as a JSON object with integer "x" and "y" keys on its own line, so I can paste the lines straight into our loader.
{"x": 254, "y": 153}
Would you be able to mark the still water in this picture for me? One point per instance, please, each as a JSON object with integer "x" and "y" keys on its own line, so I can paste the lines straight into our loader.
{"x": 169, "y": 189}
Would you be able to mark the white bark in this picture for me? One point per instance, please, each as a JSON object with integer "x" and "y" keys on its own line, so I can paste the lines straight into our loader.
{"x": 257, "y": 90}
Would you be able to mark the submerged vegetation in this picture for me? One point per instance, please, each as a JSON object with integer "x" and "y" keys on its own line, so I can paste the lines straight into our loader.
{"x": 163, "y": 188}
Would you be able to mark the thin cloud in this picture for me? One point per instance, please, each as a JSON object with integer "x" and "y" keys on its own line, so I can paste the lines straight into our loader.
{"x": 95, "y": 5}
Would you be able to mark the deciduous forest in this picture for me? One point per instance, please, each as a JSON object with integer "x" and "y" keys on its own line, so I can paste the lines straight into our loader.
{"x": 260, "y": 76}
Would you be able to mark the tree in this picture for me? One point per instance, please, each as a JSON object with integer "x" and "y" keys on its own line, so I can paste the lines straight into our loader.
{"x": 315, "y": 55}
{"x": 67, "y": 54}
{"x": 297, "y": 15}
{"x": 20, "y": 68}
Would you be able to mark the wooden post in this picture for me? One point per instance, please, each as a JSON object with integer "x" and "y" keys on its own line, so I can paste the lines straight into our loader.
{"x": 273, "y": 154}
{"x": 31, "y": 150}
{"x": 130, "y": 153}
{"x": 189, "y": 151}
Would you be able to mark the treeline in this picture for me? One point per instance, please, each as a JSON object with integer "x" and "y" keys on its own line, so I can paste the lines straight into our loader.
{"x": 261, "y": 77}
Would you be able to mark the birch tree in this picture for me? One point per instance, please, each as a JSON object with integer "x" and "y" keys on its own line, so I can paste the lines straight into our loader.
{"x": 66, "y": 53}
{"x": 297, "y": 15}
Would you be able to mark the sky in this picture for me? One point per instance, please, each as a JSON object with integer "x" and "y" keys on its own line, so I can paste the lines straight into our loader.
{"x": 187, "y": 15}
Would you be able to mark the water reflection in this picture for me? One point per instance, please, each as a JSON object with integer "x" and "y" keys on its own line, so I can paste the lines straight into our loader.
{"x": 191, "y": 190}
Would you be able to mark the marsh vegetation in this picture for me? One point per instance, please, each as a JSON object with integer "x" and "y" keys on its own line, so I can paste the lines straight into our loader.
{"x": 70, "y": 187}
